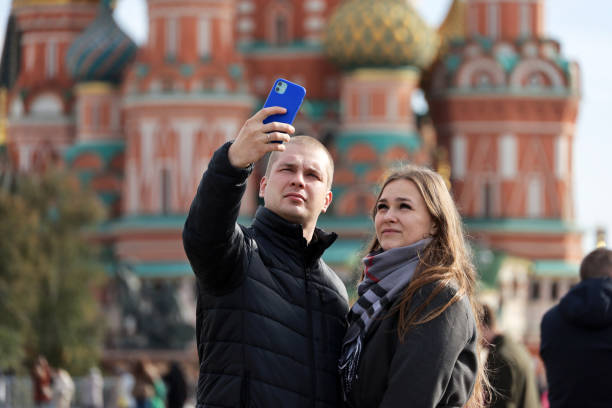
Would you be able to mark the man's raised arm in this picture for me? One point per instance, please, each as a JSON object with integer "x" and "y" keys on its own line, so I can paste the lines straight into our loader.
{"x": 212, "y": 240}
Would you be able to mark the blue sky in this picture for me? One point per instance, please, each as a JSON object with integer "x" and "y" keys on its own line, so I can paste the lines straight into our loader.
{"x": 585, "y": 32}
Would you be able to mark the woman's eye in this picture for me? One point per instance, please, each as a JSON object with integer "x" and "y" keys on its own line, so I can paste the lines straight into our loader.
{"x": 405, "y": 206}
{"x": 381, "y": 207}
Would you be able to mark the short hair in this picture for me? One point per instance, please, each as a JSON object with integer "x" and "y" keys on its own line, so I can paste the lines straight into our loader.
{"x": 305, "y": 141}
{"x": 597, "y": 264}
{"x": 488, "y": 318}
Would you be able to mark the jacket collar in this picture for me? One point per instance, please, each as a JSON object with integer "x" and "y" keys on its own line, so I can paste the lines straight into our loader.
{"x": 290, "y": 237}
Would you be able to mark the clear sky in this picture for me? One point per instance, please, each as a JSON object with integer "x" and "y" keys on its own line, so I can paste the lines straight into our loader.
{"x": 584, "y": 30}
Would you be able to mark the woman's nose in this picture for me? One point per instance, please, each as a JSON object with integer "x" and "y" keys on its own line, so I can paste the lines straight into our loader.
{"x": 389, "y": 215}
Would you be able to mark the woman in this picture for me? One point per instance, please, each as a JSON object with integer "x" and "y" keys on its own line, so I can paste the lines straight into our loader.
{"x": 413, "y": 339}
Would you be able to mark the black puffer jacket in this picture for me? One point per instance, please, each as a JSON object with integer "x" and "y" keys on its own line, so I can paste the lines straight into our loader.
{"x": 270, "y": 313}
{"x": 576, "y": 346}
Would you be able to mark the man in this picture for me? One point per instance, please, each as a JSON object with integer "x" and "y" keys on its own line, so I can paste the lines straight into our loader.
{"x": 576, "y": 344}
{"x": 270, "y": 313}
{"x": 509, "y": 368}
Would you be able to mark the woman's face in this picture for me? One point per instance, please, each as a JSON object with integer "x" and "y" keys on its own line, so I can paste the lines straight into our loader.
{"x": 401, "y": 217}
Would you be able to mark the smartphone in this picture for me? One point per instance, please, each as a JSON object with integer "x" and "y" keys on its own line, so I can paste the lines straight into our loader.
{"x": 288, "y": 95}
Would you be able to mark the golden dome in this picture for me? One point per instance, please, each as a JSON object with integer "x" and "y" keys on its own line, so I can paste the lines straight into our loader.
{"x": 379, "y": 33}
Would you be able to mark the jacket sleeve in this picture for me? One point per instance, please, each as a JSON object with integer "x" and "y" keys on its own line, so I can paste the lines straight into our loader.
{"x": 213, "y": 241}
{"x": 430, "y": 355}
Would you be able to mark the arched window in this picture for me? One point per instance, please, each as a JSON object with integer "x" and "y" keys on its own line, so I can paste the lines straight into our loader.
{"x": 281, "y": 32}
{"x": 535, "y": 290}
{"x": 279, "y": 23}
{"x": 554, "y": 290}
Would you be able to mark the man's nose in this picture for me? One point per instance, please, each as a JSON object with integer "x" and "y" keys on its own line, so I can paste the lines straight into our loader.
{"x": 298, "y": 179}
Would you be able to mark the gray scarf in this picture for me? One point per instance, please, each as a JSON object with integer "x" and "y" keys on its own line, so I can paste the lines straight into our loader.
{"x": 386, "y": 275}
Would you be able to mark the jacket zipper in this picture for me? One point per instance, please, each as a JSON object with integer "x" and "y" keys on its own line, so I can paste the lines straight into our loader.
{"x": 311, "y": 350}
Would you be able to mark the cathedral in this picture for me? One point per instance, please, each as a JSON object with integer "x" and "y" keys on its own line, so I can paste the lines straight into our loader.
{"x": 139, "y": 125}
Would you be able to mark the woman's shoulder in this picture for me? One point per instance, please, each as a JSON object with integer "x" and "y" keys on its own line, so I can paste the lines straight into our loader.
{"x": 444, "y": 293}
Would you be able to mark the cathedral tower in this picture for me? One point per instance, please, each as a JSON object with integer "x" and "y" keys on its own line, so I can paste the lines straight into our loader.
{"x": 40, "y": 124}
{"x": 504, "y": 100}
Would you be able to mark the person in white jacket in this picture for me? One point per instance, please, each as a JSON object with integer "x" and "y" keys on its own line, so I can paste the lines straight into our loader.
{"x": 63, "y": 389}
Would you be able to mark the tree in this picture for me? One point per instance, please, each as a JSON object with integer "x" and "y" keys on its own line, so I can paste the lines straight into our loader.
{"x": 49, "y": 271}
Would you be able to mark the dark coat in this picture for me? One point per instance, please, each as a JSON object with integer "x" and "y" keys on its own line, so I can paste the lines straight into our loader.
{"x": 511, "y": 374}
{"x": 576, "y": 346}
{"x": 435, "y": 365}
{"x": 270, "y": 313}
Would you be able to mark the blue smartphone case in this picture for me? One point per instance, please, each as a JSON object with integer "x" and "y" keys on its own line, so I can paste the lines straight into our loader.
{"x": 288, "y": 95}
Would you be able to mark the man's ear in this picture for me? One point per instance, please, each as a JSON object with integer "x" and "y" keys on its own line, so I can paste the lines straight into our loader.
{"x": 262, "y": 186}
{"x": 328, "y": 200}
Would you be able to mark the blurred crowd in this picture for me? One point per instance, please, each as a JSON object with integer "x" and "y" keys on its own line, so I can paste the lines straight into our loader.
{"x": 142, "y": 384}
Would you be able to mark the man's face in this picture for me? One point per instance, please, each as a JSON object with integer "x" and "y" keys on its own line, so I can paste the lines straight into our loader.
{"x": 296, "y": 185}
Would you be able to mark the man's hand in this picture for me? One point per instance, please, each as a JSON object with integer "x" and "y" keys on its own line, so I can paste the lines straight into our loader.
{"x": 253, "y": 140}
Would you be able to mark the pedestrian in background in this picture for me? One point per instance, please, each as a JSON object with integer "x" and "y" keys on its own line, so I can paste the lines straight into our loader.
{"x": 576, "y": 338}
{"x": 509, "y": 367}
{"x": 149, "y": 390}
{"x": 93, "y": 387}
{"x": 63, "y": 389}
{"x": 41, "y": 383}
{"x": 176, "y": 386}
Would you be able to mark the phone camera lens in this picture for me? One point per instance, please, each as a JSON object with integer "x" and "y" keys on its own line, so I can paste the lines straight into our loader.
{"x": 278, "y": 89}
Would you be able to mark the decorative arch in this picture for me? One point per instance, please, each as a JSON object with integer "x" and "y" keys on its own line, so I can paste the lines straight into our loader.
{"x": 344, "y": 176}
{"x": 280, "y": 24}
{"x": 356, "y": 203}
{"x": 88, "y": 161}
{"x": 469, "y": 72}
{"x": 106, "y": 182}
{"x": 361, "y": 153}
{"x": 375, "y": 175}
{"x": 524, "y": 70}
{"x": 397, "y": 153}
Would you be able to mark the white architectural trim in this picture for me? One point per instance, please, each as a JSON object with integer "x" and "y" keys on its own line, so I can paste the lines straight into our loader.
{"x": 534, "y": 198}
{"x": 562, "y": 157}
{"x": 204, "y": 37}
{"x": 507, "y": 156}
{"x": 459, "y": 157}
{"x": 525, "y": 19}
{"x": 480, "y": 64}
{"x": 527, "y": 67}
{"x": 493, "y": 20}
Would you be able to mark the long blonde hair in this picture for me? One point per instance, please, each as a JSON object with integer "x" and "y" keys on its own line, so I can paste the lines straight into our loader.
{"x": 445, "y": 261}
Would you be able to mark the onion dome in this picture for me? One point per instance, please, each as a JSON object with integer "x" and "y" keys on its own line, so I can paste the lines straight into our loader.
{"x": 374, "y": 33}
{"x": 102, "y": 51}
{"x": 453, "y": 27}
